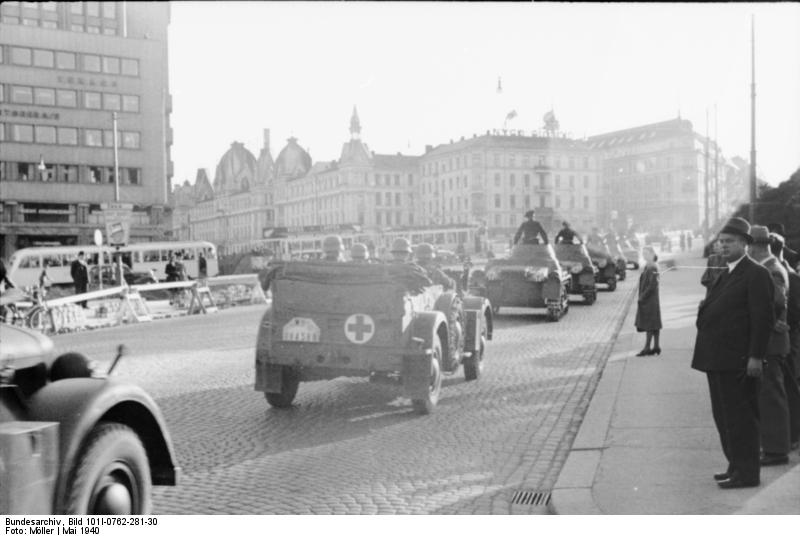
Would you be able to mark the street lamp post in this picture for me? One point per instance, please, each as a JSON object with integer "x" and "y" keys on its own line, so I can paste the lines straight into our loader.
{"x": 116, "y": 156}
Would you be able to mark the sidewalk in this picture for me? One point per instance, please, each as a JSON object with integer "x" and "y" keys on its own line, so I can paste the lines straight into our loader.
{"x": 647, "y": 444}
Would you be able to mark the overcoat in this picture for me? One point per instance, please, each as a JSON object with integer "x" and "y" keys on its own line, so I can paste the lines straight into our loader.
{"x": 735, "y": 319}
{"x": 648, "y": 313}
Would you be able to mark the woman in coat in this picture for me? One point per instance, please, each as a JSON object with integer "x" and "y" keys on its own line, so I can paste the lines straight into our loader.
{"x": 648, "y": 313}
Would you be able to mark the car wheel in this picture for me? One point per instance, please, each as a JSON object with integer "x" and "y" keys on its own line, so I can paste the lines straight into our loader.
{"x": 612, "y": 283}
{"x": 290, "y": 381}
{"x": 589, "y": 297}
{"x": 112, "y": 476}
{"x": 473, "y": 366}
{"x": 39, "y": 319}
{"x": 428, "y": 403}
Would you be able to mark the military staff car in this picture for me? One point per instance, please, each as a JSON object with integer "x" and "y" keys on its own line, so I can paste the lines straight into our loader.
{"x": 530, "y": 277}
{"x": 575, "y": 259}
{"x": 72, "y": 440}
{"x": 386, "y": 322}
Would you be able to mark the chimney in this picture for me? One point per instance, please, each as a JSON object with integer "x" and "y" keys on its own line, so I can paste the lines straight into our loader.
{"x": 266, "y": 139}
{"x": 428, "y": 148}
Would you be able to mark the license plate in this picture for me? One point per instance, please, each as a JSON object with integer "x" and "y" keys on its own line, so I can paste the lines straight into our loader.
{"x": 301, "y": 329}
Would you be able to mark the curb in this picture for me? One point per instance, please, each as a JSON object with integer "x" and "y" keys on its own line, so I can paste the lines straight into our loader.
{"x": 572, "y": 492}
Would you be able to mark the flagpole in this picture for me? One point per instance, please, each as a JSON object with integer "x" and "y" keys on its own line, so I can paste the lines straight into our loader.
{"x": 716, "y": 167}
{"x": 705, "y": 180}
{"x": 753, "y": 193}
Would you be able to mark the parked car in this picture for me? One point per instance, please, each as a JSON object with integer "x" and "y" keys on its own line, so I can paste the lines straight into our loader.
{"x": 382, "y": 321}
{"x": 73, "y": 440}
{"x": 530, "y": 277}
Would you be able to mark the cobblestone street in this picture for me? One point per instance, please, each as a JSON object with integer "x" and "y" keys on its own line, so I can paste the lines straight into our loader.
{"x": 352, "y": 447}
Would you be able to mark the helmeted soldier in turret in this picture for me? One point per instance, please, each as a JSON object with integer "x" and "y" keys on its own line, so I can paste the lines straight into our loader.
{"x": 359, "y": 253}
{"x": 332, "y": 248}
{"x": 425, "y": 256}
{"x": 595, "y": 239}
{"x": 530, "y": 231}
{"x": 567, "y": 235}
{"x": 401, "y": 251}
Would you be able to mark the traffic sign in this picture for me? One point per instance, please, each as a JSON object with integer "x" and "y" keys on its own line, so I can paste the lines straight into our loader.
{"x": 117, "y": 217}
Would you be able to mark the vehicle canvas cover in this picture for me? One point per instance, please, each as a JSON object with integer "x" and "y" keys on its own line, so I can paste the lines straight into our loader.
{"x": 364, "y": 304}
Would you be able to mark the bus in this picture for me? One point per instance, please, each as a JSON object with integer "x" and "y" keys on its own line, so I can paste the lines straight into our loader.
{"x": 309, "y": 245}
{"x": 25, "y": 264}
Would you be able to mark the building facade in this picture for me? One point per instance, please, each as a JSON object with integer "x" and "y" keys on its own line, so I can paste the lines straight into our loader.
{"x": 495, "y": 178}
{"x": 65, "y": 68}
{"x": 234, "y": 210}
{"x": 664, "y": 175}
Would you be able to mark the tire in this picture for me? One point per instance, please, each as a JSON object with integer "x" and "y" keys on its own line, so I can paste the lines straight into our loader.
{"x": 473, "y": 366}
{"x": 426, "y": 405}
{"x": 612, "y": 284}
{"x": 38, "y": 319}
{"x": 290, "y": 381}
{"x": 112, "y": 467}
{"x": 554, "y": 312}
{"x": 589, "y": 297}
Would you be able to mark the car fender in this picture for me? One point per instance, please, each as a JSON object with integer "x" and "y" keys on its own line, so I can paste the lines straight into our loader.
{"x": 78, "y": 404}
{"x": 485, "y": 307}
{"x": 426, "y": 326}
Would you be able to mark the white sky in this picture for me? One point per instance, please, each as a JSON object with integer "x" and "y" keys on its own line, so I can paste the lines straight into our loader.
{"x": 423, "y": 73}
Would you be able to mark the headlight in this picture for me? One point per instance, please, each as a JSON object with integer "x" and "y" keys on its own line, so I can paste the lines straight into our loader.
{"x": 493, "y": 273}
{"x": 536, "y": 274}
{"x": 602, "y": 263}
{"x": 576, "y": 269}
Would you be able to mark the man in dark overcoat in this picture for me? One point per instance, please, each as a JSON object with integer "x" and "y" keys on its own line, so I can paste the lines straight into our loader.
{"x": 530, "y": 231}
{"x": 733, "y": 326}
{"x": 80, "y": 276}
{"x": 773, "y": 402}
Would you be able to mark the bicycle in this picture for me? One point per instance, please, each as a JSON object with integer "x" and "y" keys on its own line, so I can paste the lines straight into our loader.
{"x": 10, "y": 313}
{"x": 42, "y": 317}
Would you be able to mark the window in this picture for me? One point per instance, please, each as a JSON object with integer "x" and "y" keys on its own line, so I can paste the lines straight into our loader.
{"x": 110, "y": 65}
{"x": 497, "y": 179}
{"x": 94, "y": 138}
{"x": 30, "y": 22}
{"x": 110, "y": 174}
{"x": 111, "y": 101}
{"x": 49, "y": 24}
{"x": 9, "y": 20}
{"x": 586, "y": 202}
{"x": 93, "y": 9}
{"x": 20, "y": 56}
{"x": 527, "y": 201}
{"x": 109, "y": 31}
{"x": 65, "y": 60}
{"x": 76, "y": 8}
{"x": 92, "y": 29}
{"x": 48, "y": 6}
{"x": 109, "y": 10}
{"x": 541, "y": 201}
{"x": 397, "y": 199}
{"x": 91, "y": 63}
{"x": 130, "y": 67}
{"x": 497, "y": 219}
{"x": 67, "y": 136}
{"x": 527, "y": 180}
{"x": 44, "y": 58}
{"x": 511, "y": 180}
{"x": 571, "y": 163}
{"x": 21, "y": 94}
{"x": 572, "y": 181}
{"x": 25, "y": 171}
{"x": 76, "y": 27}
{"x": 497, "y": 201}
{"x": 558, "y": 202}
{"x": 512, "y": 202}
{"x": 585, "y": 181}
{"x": 22, "y": 133}
{"x": 45, "y": 134}
{"x": 67, "y": 98}
{"x": 558, "y": 181}
{"x": 571, "y": 202}
{"x": 397, "y": 180}
{"x": 92, "y": 99}
{"x": 378, "y": 198}
{"x": 542, "y": 182}
{"x": 388, "y": 198}
{"x": 45, "y": 96}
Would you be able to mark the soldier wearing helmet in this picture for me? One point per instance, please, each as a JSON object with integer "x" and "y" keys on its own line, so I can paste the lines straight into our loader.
{"x": 332, "y": 248}
{"x": 425, "y": 256}
{"x": 401, "y": 251}
{"x": 530, "y": 231}
{"x": 359, "y": 253}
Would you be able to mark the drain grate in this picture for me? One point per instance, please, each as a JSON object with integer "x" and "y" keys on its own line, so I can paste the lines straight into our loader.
{"x": 531, "y": 497}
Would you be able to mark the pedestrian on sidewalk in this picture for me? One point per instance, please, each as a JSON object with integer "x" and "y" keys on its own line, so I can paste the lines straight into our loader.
{"x": 648, "y": 312}
{"x": 733, "y": 326}
{"x": 773, "y": 402}
{"x": 792, "y": 379}
{"x": 80, "y": 276}
{"x": 790, "y": 255}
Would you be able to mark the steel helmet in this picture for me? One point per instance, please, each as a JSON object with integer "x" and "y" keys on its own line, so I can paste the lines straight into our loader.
{"x": 425, "y": 252}
{"x": 401, "y": 245}
{"x": 332, "y": 246}
{"x": 359, "y": 252}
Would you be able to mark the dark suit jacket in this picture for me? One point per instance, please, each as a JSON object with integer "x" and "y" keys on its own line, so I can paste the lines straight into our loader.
{"x": 79, "y": 273}
{"x": 735, "y": 320}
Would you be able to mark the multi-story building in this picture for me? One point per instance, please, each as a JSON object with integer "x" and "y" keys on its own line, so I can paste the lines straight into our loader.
{"x": 496, "y": 177}
{"x": 233, "y": 211}
{"x": 65, "y": 68}
{"x": 362, "y": 188}
{"x": 657, "y": 176}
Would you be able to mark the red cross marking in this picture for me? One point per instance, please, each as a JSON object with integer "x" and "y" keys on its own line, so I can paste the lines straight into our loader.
{"x": 360, "y": 328}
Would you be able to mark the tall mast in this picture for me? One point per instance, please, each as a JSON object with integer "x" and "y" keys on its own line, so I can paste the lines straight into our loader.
{"x": 753, "y": 194}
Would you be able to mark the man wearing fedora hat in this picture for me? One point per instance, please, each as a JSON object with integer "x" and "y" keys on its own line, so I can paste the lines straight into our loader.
{"x": 530, "y": 230}
{"x": 734, "y": 322}
{"x": 773, "y": 402}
